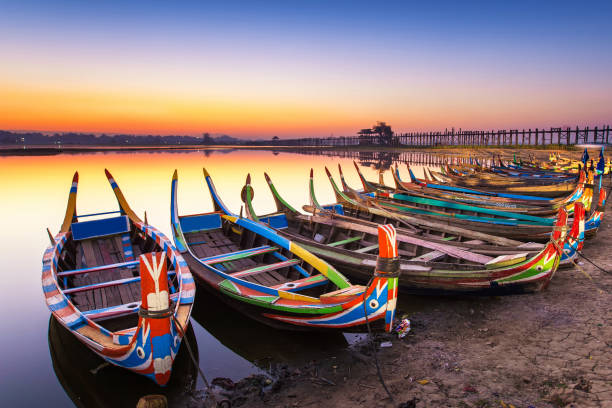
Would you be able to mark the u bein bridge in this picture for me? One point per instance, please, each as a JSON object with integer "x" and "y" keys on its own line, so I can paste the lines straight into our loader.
{"x": 466, "y": 138}
{"x": 383, "y": 160}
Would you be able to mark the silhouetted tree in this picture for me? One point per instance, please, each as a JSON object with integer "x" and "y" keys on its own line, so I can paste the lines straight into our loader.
{"x": 207, "y": 139}
{"x": 384, "y": 132}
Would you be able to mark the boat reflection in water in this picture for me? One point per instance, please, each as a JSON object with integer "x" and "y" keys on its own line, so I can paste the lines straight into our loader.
{"x": 260, "y": 344}
{"x": 90, "y": 382}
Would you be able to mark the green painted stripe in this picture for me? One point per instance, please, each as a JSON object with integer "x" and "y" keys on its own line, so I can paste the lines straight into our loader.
{"x": 317, "y": 311}
{"x": 279, "y": 198}
{"x": 457, "y": 206}
{"x": 344, "y": 241}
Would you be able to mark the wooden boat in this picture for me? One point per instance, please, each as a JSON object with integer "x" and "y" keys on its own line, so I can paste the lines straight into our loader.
{"x": 89, "y": 384}
{"x": 272, "y": 279}
{"x": 355, "y": 209}
{"x": 557, "y": 189}
{"x": 417, "y": 194}
{"x": 108, "y": 282}
{"x": 520, "y": 227}
{"x": 428, "y": 266}
{"x": 485, "y": 195}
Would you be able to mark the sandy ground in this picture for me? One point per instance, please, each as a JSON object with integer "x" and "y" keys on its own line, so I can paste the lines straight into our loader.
{"x": 549, "y": 349}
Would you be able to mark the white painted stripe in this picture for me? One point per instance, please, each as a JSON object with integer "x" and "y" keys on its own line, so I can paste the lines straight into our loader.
{"x": 55, "y": 299}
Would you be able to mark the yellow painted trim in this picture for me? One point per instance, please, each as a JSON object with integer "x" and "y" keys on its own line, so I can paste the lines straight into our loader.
{"x": 229, "y": 217}
{"x": 70, "y": 211}
{"x": 297, "y": 296}
{"x": 319, "y": 264}
{"x": 71, "y": 206}
{"x": 123, "y": 202}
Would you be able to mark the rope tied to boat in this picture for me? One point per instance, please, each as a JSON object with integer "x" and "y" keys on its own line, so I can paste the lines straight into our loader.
{"x": 157, "y": 314}
{"x": 580, "y": 268}
{"x": 387, "y": 267}
{"x": 385, "y": 262}
{"x": 179, "y": 327}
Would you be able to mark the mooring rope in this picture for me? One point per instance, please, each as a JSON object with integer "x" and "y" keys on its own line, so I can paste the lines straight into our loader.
{"x": 592, "y": 263}
{"x": 378, "y": 372}
{"x": 195, "y": 362}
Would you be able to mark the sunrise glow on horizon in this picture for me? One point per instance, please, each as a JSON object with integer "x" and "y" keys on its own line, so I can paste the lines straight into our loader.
{"x": 305, "y": 69}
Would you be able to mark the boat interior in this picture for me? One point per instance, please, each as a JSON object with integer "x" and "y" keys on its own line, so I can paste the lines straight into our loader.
{"x": 241, "y": 253}
{"x": 98, "y": 269}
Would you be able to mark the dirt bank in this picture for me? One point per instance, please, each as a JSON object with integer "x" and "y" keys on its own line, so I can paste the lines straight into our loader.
{"x": 550, "y": 349}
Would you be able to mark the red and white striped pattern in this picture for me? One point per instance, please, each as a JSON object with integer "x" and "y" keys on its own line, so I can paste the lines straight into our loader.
{"x": 387, "y": 242}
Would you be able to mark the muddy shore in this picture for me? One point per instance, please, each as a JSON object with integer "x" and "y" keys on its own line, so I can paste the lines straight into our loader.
{"x": 549, "y": 349}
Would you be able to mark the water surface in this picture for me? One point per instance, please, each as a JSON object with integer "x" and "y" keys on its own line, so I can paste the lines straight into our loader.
{"x": 35, "y": 192}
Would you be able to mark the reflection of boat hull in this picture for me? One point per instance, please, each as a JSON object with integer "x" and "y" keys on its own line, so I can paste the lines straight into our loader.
{"x": 75, "y": 367}
{"x": 231, "y": 329}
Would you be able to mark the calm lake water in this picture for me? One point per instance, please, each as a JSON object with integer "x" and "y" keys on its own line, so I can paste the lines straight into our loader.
{"x": 42, "y": 364}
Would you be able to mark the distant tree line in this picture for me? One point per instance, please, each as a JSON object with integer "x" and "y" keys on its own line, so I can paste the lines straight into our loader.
{"x": 37, "y": 138}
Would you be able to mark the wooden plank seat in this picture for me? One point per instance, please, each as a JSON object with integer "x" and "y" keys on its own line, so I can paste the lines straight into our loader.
{"x": 131, "y": 264}
{"x": 232, "y": 256}
{"x": 436, "y": 255}
{"x": 118, "y": 310}
{"x": 367, "y": 249}
{"x": 297, "y": 266}
{"x": 106, "y": 284}
{"x": 266, "y": 268}
{"x": 344, "y": 241}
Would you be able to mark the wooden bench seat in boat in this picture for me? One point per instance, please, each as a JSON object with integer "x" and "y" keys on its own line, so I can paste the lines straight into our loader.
{"x": 232, "y": 256}
{"x": 118, "y": 310}
{"x": 131, "y": 264}
{"x": 266, "y": 268}
{"x": 435, "y": 255}
{"x": 106, "y": 284}
{"x": 344, "y": 241}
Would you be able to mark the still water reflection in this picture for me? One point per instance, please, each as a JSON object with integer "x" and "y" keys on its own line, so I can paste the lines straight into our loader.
{"x": 42, "y": 364}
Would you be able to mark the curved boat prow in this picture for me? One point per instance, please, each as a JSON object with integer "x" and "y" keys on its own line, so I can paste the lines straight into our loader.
{"x": 313, "y": 199}
{"x": 367, "y": 187}
{"x": 281, "y": 204}
{"x": 71, "y": 214}
{"x": 246, "y": 195}
{"x": 217, "y": 202}
{"x": 156, "y": 340}
{"x": 345, "y": 186}
{"x": 177, "y": 232}
{"x": 123, "y": 205}
{"x": 574, "y": 241}
{"x": 387, "y": 269}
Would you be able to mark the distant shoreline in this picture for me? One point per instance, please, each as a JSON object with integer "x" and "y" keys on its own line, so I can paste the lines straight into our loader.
{"x": 46, "y": 150}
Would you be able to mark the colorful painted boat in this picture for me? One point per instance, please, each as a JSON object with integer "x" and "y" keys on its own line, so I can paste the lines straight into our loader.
{"x": 272, "y": 279}
{"x": 119, "y": 286}
{"x": 419, "y": 192}
{"x": 536, "y": 229}
{"x": 487, "y": 206}
{"x": 89, "y": 383}
{"x": 487, "y": 197}
{"x": 428, "y": 266}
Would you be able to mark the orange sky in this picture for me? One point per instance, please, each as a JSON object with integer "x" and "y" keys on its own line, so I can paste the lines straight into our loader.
{"x": 256, "y": 72}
